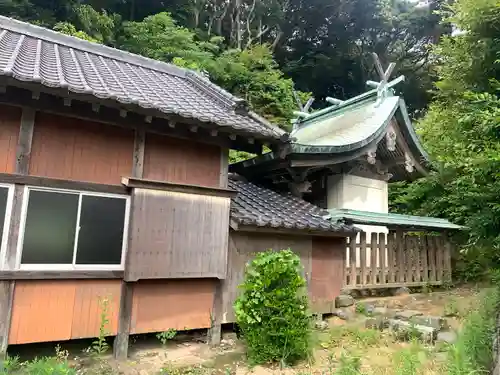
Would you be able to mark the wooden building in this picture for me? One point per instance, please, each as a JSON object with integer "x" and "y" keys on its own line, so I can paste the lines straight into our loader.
{"x": 114, "y": 186}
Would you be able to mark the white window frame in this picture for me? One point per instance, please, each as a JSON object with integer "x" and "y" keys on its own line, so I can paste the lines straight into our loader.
{"x": 6, "y": 223}
{"x": 73, "y": 266}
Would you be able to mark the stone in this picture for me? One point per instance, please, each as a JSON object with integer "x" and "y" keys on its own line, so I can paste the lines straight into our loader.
{"x": 380, "y": 311}
{"x": 407, "y": 331}
{"x": 344, "y": 301}
{"x": 403, "y": 291}
{"x": 436, "y": 322}
{"x": 369, "y": 309}
{"x": 321, "y": 325}
{"x": 343, "y": 314}
{"x": 448, "y": 337}
{"x": 406, "y": 315}
{"x": 379, "y": 323}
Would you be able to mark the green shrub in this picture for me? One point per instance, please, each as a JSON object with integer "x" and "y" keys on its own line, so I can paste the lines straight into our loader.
{"x": 272, "y": 310}
{"x": 48, "y": 366}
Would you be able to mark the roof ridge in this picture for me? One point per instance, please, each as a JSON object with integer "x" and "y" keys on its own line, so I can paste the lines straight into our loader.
{"x": 69, "y": 41}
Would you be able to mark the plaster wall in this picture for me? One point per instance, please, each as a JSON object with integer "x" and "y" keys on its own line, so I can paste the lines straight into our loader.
{"x": 362, "y": 194}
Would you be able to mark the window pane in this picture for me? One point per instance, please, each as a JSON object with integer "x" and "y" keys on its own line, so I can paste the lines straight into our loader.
{"x": 50, "y": 228}
{"x": 101, "y": 230}
{"x": 4, "y": 192}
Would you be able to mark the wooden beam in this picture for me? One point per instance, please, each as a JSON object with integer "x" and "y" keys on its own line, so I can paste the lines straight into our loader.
{"x": 120, "y": 345}
{"x": 291, "y": 232}
{"x": 24, "y": 141}
{"x": 139, "y": 183}
{"x": 61, "y": 184}
{"x": 224, "y": 168}
{"x": 139, "y": 148}
{"x": 215, "y": 330}
{"x": 55, "y": 275}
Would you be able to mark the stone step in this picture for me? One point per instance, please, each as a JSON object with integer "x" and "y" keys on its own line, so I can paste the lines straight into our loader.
{"x": 436, "y": 322}
{"x": 407, "y": 331}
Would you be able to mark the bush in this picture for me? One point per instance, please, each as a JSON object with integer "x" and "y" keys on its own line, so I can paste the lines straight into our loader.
{"x": 272, "y": 310}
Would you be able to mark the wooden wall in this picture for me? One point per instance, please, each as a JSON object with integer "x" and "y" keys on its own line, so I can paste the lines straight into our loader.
{"x": 53, "y": 310}
{"x": 243, "y": 246}
{"x": 159, "y": 305}
{"x": 10, "y": 120}
{"x": 188, "y": 162}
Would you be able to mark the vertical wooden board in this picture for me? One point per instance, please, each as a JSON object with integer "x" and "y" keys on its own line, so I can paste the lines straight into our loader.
{"x": 440, "y": 257}
{"x": 87, "y": 309}
{"x": 25, "y": 139}
{"x": 159, "y": 305}
{"x": 73, "y": 149}
{"x": 391, "y": 274}
{"x": 447, "y": 258}
{"x": 382, "y": 257}
{"x": 181, "y": 161}
{"x": 363, "y": 260}
{"x": 432, "y": 258}
{"x": 410, "y": 261}
{"x": 327, "y": 276}
{"x": 352, "y": 260}
{"x": 10, "y": 121}
{"x": 424, "y": 259}
{"x": 224, "y": 167}
{"x": 6, "y": 297}
{"x": 42, "y": 311}
{"x": 242, "y": 249}
{"x": 374, "y": 256}
{"x": 139, "y": 148}
{"x": 400, "y": 256}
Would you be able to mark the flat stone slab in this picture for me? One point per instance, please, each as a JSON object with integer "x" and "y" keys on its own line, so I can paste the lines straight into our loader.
{"x": 448, "y": 337}
{"x": 406, "y": 315}
{"x": 344, "y": 301}
{"x": 406, "y": 331}
{"x": 436, "y": 322}
{"x": 344, "y": 314}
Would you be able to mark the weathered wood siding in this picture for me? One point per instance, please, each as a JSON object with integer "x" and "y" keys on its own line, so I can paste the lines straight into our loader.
{"x": 73, "y": 149}
{"x": 178, "y": 304}
{"x": 242, "y": 248}
{"x": 177, "y": 235}
{"x": 61, "y": 309}
{"x": 181, "y": 161}
{"x": 327, "y": 276}
{"x": 10, "y": 121}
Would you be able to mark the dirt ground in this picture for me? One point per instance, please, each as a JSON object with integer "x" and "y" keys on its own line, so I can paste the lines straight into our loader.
{"x": 188, "y": 354}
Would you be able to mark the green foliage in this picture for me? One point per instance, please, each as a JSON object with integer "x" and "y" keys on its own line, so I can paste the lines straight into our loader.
{"x": 70, "y": 29}
{"x": 272, "y": 309}
{"x": 473, "y": 351}
{"x": 407, "y": 361}
{"x": 349, "y": 364}
{"x": 346, "y": 336}
{"x": 47, "y": 366}
{"x": 167, "y": 335}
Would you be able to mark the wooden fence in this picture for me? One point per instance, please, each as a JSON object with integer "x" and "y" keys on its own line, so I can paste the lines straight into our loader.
{"x": 397, "y": 259}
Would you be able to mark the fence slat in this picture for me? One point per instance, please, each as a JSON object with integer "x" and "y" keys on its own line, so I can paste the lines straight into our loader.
{"x": 391, "y": 257}
{"x": 382, "y": 257}
{"x": 432, "y": 258}
{"x": 440, "y": 258}
{"x": 362, "y": 255}
{"x": 400, "y": 256}
{"x": 352, "y": 260}
{"x": 373, "y": 260}
{"x": 423, "y": 258}
{"x": 409, "y": 261}
{"x": 447, "y": 258}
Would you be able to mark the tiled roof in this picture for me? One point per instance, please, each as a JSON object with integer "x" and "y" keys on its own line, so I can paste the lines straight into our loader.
{"x": 261, "y": 207}
{"x": 33, "y": 54}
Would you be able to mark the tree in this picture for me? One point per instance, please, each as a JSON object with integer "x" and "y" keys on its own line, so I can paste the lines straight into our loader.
{"x": 462, "y": 132}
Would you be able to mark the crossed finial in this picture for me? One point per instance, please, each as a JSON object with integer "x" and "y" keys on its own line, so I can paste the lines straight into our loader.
{"x": 384, "y": 84}
{"x": 303, "y": 109}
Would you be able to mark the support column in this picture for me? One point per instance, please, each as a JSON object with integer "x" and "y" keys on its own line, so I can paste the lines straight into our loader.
{"x": 120, "y": 345}
{"x": 23, "y": 154}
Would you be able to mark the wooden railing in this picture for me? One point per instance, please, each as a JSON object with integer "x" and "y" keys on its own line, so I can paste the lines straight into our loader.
{"x": 397, "y": 259}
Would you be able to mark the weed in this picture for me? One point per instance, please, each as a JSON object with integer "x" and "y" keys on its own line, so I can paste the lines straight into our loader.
{"x": 99, "y": 345}
{"x": 349, "y": 365}
{"x": 352, "y": 336}
{"x": 361, "y": 309}
{"x": 451, "y": 308}
{"x": 164, "y": 337}
{"x": 407, "y": 361}
{"x": 48, "y": 366}
{"x": 427, "y": 288}
{"x": 9, "y": 365}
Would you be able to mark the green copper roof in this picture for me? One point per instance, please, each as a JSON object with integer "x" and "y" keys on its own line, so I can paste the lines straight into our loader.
{"x": 347, "y": 128}
{"x": 392, "y": 220}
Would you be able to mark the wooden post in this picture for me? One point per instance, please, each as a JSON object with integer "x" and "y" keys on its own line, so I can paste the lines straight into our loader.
{"x": 373, "y": 258}
{"x": 382, "y": 257}
{"x": 120, "y": 345}
{"x": 362, "y": 255}
{"x": 7, "y": 288}
{"x": 352, "y": 259}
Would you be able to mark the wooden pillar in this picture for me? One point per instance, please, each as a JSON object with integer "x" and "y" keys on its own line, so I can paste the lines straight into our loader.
{"x": 120, "y": 346}
{"x": 23, "y": 154}
{"x": 215, "y": 330}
